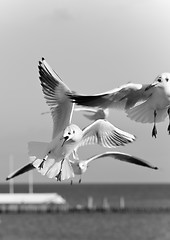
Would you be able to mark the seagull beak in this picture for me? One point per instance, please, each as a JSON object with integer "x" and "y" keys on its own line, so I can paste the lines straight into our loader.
{"x": 151, "y": 86}
{"x": 64, "y": 139}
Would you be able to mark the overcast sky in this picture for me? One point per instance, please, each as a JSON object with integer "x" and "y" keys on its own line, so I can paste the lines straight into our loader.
{"x": 95, "y": 46}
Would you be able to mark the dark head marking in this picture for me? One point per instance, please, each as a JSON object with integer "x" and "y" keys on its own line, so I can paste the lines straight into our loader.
{"x": 159, "y": 79}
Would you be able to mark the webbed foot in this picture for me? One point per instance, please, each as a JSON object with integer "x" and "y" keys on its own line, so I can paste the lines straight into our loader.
{"x": 58, "y": 176}
{"x": 154, "y": 131}
{"x": 168, "y": 129}
{"x": 41, "y": 164}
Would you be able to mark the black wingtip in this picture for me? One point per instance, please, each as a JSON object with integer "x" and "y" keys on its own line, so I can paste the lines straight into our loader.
{"x": 43, "y": 58}
{"x": 156, "y": 168}
{"x": 7, "y": 178}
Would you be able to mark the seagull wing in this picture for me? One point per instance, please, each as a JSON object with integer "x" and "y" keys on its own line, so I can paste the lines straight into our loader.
{"x": 90, "y": 110}
{"x": 123, "y": 97}
{"x": 21, "y": 170}
{"x": 98, "y": 113}
{"x": 123, "y": 157}
{"x": 104, "y": 133}
{"x": 55, "y": 94}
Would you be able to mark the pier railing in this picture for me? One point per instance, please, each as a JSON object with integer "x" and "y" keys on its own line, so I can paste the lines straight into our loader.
{"x": 90, "y": 207}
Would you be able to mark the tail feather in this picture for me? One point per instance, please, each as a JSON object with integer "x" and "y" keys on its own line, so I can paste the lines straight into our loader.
{"x": 67, "y": 170}
{"x": 54, "y": 170}
{"x": 142, "y": 113}
{"x": 46, "y": 165}
{"x": 37, "y": 151}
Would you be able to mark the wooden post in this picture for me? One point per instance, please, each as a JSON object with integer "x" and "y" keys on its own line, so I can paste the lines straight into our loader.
{"x": 122, "y": 203}
{"x": 106, "y": 205}
{"x": 30, "y": 182}
{"x": 11, "y": 168}
{"x": 90, "y": 203}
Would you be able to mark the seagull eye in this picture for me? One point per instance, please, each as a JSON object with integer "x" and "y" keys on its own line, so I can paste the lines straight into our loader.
{"x": 69, "y": 133}
{"x": 159, "y": 79}
{"x": 167, "y": 79}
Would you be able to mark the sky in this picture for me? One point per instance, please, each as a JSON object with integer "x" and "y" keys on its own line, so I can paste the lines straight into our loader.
{"x": 94, "y": 46}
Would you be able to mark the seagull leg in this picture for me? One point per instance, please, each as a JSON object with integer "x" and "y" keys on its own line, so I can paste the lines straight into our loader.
{"x": 75, "y": 155}
{"x": 58, "y": 176}
{"x": 169, "y": 120}
{"x": 42, "y": 163}
{"x": 71, "y": 182}
{"x": 154, "y": 130}
{"x": 80, "y": 180}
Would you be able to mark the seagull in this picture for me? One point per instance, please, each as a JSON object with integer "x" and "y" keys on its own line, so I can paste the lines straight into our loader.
{"x": 145, "y": 103}
{"x": 80, "y": 166}
{"x": 52, "y": 158}
{"x": 95, "y": 114}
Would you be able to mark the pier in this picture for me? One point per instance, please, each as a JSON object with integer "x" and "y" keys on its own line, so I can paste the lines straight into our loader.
{"x": 54, "y": 203}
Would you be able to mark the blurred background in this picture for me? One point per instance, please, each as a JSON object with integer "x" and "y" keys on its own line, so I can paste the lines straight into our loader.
{"x": 94, "y": 46}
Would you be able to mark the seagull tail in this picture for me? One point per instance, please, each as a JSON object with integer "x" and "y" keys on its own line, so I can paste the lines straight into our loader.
{"x": 144, "y": 114}
{"x": 66, "y": 170}
{"x": 21, "y": 170}
{"x": 50, "y": 166}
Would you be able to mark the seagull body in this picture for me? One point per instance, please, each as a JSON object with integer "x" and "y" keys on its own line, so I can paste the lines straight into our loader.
{"x": 147, "y": 103}
{"x": 80, "y": 166}
{"x": 52, "y": 159}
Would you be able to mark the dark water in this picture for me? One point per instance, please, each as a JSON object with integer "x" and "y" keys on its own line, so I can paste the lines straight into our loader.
{"x": 154, "y": 195}
{"x": 85, "y": 226}
{"x": 93, "y": 225}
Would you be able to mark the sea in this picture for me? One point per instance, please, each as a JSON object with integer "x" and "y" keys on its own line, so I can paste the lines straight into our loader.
{"x": 130, "y": 225}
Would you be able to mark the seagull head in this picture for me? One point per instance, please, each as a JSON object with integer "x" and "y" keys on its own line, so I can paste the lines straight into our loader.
{"x": 72, "y": 132}
{"x": 102, "y": 113}
{"x": 83, "y": 165}
{"x": 161, "y": 81}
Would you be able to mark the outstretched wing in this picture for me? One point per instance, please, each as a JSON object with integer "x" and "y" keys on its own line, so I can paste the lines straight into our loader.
{"x": 86, "y": 109}
{"x": 104, "y": 133}
{"x": 55, "y": 94}
{"x": 126, "y": 96}
{"x": 123, "y": 157}
{"x": 21, "y": 170}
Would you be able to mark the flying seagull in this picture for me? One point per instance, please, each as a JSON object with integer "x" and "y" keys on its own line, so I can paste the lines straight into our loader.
{"x": 52, "y": 158}
{"x": 90, "y": 113}
{"x": 80, "y": 166}
{"x": 145, "y": 103}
